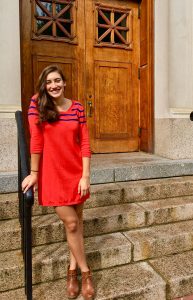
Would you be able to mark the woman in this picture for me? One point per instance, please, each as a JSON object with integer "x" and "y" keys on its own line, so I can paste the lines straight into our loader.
{"x": 60, "y": 163}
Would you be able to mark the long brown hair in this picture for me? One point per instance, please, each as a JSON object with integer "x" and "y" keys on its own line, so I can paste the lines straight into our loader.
{"x": 46, "y": 107}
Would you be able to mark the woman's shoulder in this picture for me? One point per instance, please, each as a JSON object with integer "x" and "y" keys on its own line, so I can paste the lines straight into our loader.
{"x": 77, "y": 105}
{"x": 34, "y": 98}
{"x": 76, "y": 102}
{"x": 33, "y": 109}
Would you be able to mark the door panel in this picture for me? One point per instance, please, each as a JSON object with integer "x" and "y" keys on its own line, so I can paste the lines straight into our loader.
{"x": 69, "y": 67}
{"x": 109, "y": 123}
{"x": 112, "y": 60}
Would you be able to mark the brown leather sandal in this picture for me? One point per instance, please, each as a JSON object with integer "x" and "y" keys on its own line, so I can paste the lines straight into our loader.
{"x": 72, "y": 285}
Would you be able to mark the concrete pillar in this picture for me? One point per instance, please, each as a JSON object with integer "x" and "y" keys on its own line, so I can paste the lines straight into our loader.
{"x": 10, "y": 85}
{"x": 173, "y": 78}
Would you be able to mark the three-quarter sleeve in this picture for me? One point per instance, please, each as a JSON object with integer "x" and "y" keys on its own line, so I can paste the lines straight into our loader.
{"x": 36, "y": 135}
{"x": 83, "y": 133}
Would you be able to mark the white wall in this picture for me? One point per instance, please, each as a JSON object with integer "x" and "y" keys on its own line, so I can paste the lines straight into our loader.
{"x": 10, "y": 84}
{"x": 161, "y": 59}
{"x": 173, "y": 78}
{"x": 173, "y": 58}
{"x": 10, "y": 54}
{"x": 180, "y": 53}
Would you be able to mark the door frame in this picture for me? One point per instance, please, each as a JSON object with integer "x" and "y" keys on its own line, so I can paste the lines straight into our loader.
{"x": 150, "y": 57}
{"x": 27, "y": 87}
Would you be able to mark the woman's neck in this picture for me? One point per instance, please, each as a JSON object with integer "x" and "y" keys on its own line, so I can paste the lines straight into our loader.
{"x": 60, "y": 101}
{"x": 63, "y": 104}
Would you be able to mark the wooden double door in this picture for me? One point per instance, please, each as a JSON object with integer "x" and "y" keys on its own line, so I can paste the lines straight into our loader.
{"x": 102, "y": 47}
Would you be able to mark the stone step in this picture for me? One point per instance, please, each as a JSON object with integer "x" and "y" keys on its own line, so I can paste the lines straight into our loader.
{"x": 119, "y": 167}
{"x": 8, "y": 206}
{"x": 143, "y": 280}
{"x": 48, "y": 228}
{"x": 148, "y": 242}
{"x": 161, "y": 240}
{"x": 50, "y": 261}
{"x": 168, "y": 210}
{"x": 135, "y": 281}
{"x": 177, "y": 270}
{"x": 136, "y": 166}
{"x": 8, "y": 182}
{"x": 112, "y": 194}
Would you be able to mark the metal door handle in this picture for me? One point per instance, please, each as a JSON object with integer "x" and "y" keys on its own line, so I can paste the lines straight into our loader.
{"x": 89, "y": 108}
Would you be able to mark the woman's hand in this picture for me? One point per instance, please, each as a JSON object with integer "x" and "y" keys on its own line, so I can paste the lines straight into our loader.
{"x": 30, "y": 180}
{"x": 84, "y": 186}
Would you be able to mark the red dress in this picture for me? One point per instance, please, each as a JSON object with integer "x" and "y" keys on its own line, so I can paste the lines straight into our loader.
{"x": 62, "y": 144}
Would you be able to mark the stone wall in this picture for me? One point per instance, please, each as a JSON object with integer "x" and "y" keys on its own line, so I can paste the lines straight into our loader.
{"x": 10, "y": 84}
{"x": 173, "y": 78}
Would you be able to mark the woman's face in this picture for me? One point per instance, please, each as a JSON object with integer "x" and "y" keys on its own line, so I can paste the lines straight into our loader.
{"x": 55, "y": 85}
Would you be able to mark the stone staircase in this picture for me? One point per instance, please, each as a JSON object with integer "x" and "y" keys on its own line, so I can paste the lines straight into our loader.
{"x": 138, "y": 239}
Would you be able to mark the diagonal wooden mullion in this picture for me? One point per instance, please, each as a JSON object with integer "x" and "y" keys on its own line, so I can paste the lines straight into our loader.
{"x": 64, "y": 10}
{"x": 122, "y": 28}
{"x": 104, "y": 17}
{"x": 44, "y": 27}
{"x": 65, "y": 21}
{"x": 120, "y": 19}
{"x": 63, "y": 29}
{"x": 120, "y": 36}
{"x": 103, "y": 25}
{"x": 43, "y": 8}
{"x": 44, "y": 18}
{"x": 104, "y": 34}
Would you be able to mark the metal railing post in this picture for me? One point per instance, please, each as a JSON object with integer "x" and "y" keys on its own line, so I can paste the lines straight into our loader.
{"x": 26, "y": 202}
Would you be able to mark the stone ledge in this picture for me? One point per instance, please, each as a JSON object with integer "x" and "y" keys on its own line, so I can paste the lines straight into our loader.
{"x": 50, "y": 261}
{"x": 119, "y": 172}
{"x": 112, "y": 284}
{"x": 178, "y": 271}
{"x": 156, "y": 241}
{"x": 8, "y": 182}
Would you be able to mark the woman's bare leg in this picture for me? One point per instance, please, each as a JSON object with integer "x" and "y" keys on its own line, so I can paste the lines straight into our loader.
{"x": 69, "y": 216}
{"x": 79, "y": 211}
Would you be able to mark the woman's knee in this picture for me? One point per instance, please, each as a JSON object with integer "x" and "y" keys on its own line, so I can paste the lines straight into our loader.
{"x": 69, "y": 217}
{"x": 71, "y": 224}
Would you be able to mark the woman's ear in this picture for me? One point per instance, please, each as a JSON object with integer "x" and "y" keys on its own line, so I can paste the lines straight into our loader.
{"x": 65, "y": 84}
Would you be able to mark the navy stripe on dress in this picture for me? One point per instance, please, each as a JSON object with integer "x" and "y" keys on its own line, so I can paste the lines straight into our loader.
{"x": 78, "y": 104}
{"x": 67, "y": 114}
{"x": 36, "y": 114}
{"x": 77, "y": 109}
{"x": 72, "y": 115}
{"x": 66, "y": 120}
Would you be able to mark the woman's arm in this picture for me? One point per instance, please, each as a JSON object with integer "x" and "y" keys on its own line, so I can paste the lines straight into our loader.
{"x": 32, "y": 179}
{"x": 84, "y": 183}
{"x": 36, "y": 145}
{"x": 86, "y": 167}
